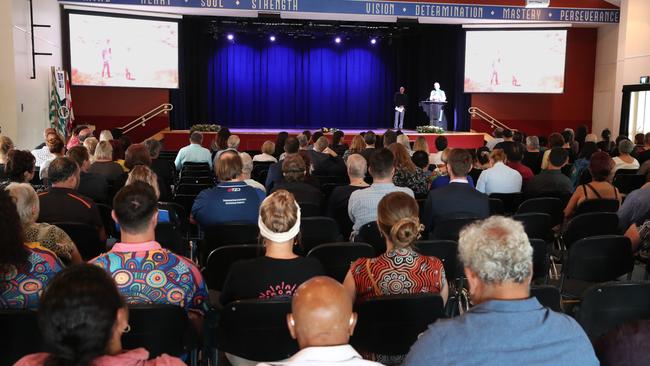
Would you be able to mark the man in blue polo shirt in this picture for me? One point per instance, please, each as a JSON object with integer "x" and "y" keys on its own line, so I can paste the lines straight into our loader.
{"x": 232, "y": 199}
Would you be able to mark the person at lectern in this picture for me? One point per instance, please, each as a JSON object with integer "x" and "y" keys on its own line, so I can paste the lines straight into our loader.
{"x": 437, "y": 94}
{"x": 401, "y": 99}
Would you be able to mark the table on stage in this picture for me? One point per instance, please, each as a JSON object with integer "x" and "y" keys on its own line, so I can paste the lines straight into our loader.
{"x": 434, "y": 111}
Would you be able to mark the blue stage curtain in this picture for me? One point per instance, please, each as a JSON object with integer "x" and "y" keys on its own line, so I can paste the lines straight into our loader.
{"x": 298, "y": 83}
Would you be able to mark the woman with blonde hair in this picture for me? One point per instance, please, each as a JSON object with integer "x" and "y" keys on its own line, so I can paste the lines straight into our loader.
{"x": 91, "y": 144}
{"x": 356, "y": 147}
{"x": 421, "y": 144}
{"x": 268, "y": 148}
{"x": 407, "y": 174}
{"x": 5, "y": 145}
{"x": 404, "y": 141}
{"x": 142, "y": 173}
{"x": 400, "y": 270}
{"x": 105, "y": 135}
{"x": 103, "y": 163}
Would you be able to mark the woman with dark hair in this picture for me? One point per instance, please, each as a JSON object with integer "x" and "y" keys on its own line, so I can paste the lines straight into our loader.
{"x": 338, "y": 145}
{"x": 582, "y": 163}
{"x": 220, "y": 141}
{"x": 279, "y": 144}
{"x": 606, "y": 144}
{"x": 581, "y": 134}
{"x": 19, "y": 167}
{"x": 25, "y": 268}
{"x": 82, "y": 317}
{"x": 600, "y": 167}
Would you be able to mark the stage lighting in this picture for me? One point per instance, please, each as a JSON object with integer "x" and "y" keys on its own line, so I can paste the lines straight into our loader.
{"x": 272, "y": 38}
{"x": 337, "y": 40}
{"x": 230, "y": 36}
{"x": 373, "y": 41}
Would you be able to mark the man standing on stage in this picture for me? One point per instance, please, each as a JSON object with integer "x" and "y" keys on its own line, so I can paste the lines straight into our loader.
{"x": 437, "y": 94}
{"x": 401, "y": 100}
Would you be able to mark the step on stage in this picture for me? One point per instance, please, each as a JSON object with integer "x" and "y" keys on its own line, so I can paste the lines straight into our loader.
{"x": 252, "y": 139}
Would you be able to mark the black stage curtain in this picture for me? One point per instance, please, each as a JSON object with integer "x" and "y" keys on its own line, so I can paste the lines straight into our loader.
{"x": 414, "y": 59}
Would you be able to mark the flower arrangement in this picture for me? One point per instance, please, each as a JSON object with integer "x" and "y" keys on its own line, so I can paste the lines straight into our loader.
{"x": 205, "y": 128}
{"x": 328, "y": 129}
{"x": 430, "y": 129}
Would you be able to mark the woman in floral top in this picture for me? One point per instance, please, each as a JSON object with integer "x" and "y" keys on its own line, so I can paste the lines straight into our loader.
{"x": 406, "y": 173}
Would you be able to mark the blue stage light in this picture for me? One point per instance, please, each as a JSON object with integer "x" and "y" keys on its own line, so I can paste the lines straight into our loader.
{"x": 272, "y": 38}
{"x": 373, "y": 41}
{"x": 230, "y": 36}
{"x": 337, "y": 40}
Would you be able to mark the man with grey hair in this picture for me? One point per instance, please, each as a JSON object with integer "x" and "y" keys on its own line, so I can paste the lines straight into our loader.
{"x": 533, "y": 155}
{"x": 247, "y": 169}
{"x": 232, "y": 145}
{"x": 337, "y": 207}
{"x": 506, "y": 326}
{"x": 324, "y": 160}
{"x": 194, "y": 152}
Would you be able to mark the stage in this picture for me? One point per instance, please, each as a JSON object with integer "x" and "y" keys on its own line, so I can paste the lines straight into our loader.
{"x": 252, "y": 139}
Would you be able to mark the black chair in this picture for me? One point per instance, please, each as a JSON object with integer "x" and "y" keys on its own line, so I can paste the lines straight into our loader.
{"x": 497, "y": 207}
{"x": 221, "y": 259}
{"x": 511, "y": 201}
{"x": 450, "y": 228}
{"x": 536, "y": 225}
{"x": 227, "y": 234}
{"x": 540, "y": 259}
{"x": 196, "y": 173}
{"x": 317, "y": 230}
{"x": 406, "y": 315}
{"x": 446, "y": 251}
{"x": 626, "y": 172}
{"x": 343, "y": 221}
{"x": 422, "y": 202}
{"x": 606, "y": 306}
{"x": 255, "y": 330}
{"x": 585, "y": 177}
{"x": 85, "y": 237}
{"x": 192, "y": 189}
{"x": 160, "y": 328}
{"x": 22, "y": 335}
{"x": 369, "y": 233}
{"x": 590, "y": 224}
{"x": 260, "y": 167}
{"x": 327, "y": 190}
{"x": 186, "y": 201}
{"x": 627, "y": 183}
{"x": 177, "y": 215}
{"x": 337, "y": 257}
{"x": 598, "y": 259}
{"x": 549, "y": 205}
{"x": 564, "y": 197}
{"x": 566, "y": 169}
{"x": 596, "y": 205}
{"x": 308, "y": 209}
{"x": 107, "y": 220}
{"x": 548, "y": 296}
{"x": 170, "y": 237}
{"x": 189, "y": 165}
{"x": 338, "y": 179}
{"x": 205, "y": 181}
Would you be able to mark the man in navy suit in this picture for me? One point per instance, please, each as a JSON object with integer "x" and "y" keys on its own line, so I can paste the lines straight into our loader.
{"x": 458, "y": 199}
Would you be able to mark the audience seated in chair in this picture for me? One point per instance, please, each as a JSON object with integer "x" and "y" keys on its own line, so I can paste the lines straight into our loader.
{"x": 326, "y": 161}
{"x": 280, "y": 271}
{"x": 57, "y": 149}
{"x": 82, "y": 317}
{"x": 62, "y": 202}
{"x": 555, "y": 140}
{"x": 25, "y": 268}
{"x": 194, "y": 152}
{"x": 635, "y": 208}
{"x": 49, "y": 236}
{"x": 294, "y": 172}
{"x": 357, "y": 146}
{"x": 247, "y": 169}
{"x": 232, "y": 144}
{"x": 291, "y": 147}
{"x": 19, "y": 167}
{"x": 582, "y": 162}
{"x": 231, "y": 200}
{"x": 506, "y": 325}
{"x": 168, "y": 278}
{"x": 142, "y": 173}
{"x": 407, "y": 174}
{"x": 499, "y": 178}
{"x": 514, "y": 156}
{"x": 5, "y": 146}
{"x": 103, "y": 163}
{"x": 551, "y": 179}
{"x": 268, "y": 147}
{"x": 533, "y": 155}
{"x": 624, "y": 160}
{"x": 42, "y": 152}
{"x": 458, "y": 199}
{"x": 370, "y": 139}
{"x": 442, "y": 176}
{"x": 600, "y": 167}
{"x": 338, "y": 145}
{"x": 163, "y": 168}
{"x": 322, "y": 321}
{"x": 400, "y": 270}
{"x": 362, "y": 206}
{"x": 357, "y": 168}
{"x": 91, "y": 185}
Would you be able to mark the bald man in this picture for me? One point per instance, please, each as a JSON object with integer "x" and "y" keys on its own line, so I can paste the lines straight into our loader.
{"x": 322, "y": 322}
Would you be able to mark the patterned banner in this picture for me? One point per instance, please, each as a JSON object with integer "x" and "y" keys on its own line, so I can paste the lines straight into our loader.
{"x": 61, "y": 114}
{"x": 388, "y": 8}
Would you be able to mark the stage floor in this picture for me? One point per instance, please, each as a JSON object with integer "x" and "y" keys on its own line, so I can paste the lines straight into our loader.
{"x": 252, "y": 139}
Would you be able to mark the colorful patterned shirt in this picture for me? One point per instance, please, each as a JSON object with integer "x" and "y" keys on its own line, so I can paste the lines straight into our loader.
{"x": 401, "y": 271}
{"x": 20, "y": 289}
{"x": 145, "y": 273}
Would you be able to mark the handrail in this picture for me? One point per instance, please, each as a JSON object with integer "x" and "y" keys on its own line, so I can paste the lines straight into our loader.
{"x": 142, "y": 120}
{"x": 478, "y": 112}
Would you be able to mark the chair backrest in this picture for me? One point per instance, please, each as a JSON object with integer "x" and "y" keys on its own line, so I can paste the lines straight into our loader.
{"x": 340, "y": 179}
{"x": 596, "y": 205}
{"x": 85, "y": 237}
{"x": 190, "y": 165}
{"x": 450, "y": 228}
{"x": 160, "y": 329}
{"x": 536, "y": 225}
{"x": 21, "y": 335}
{"x": 564, "y": 197}
{"x": 206, "y": 181}
{"x": 548, "y": 296}
{"x": 192, "y": 189}
{"x": 496, "y": 206}
{"x": 626, "y": 172}
{"x": 606, "y": 306}
{"x": 196, "y": 173}
{"x": 599, "y": 259}
{"x": 256, "y": 330}
{"x": 317, "y": 230}
{"x": 422, "y": 203}
{"x": 540, "y": 258}
{"x": 511, "y": 201}
{"x": 171, "y": 238}
{"x": 549, "y": 205}
{"x": 177, "y": 215}
{"x": 591, "y": 224}
{"x": 369, "y": 233}
{"x": 186, "y": 201}
{"x": 260, "y": 170}
{"x": 308, "y": 209}
{"x": 342, "y": 219}
{"x": 221, "y": 259}
{"x": 227, "y": 234}
{"x": 446, "y": 251}
{"x": 627, "y": 183}
{"x": 107, "y": 220}
{"x": 390, "y": 325}
{"x": 336, "y": 258}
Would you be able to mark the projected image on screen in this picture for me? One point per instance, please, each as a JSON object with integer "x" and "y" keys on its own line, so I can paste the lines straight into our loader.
{"x": 515, "y": 61}
{"x": 112, "y": 51}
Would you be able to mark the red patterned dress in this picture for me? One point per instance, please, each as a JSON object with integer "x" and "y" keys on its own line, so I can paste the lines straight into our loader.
{"x": 400, "y": 271}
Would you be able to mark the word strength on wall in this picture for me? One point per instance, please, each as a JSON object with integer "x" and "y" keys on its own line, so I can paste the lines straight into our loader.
{"x": 423, "y": 9}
